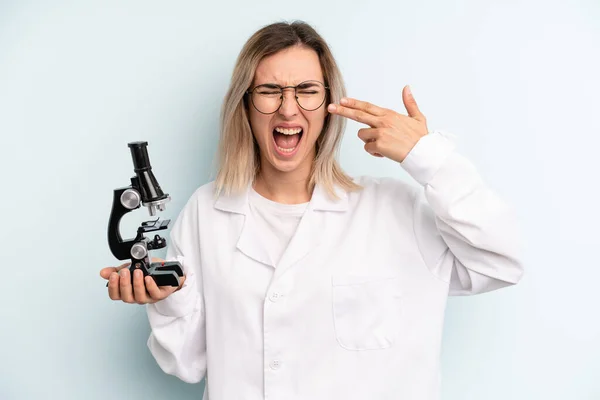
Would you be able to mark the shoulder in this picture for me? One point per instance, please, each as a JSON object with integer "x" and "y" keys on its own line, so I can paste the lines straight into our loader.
{"x": 200, "y": 198}
{"x": 204, "y": 194}
{"x": 384, "y": 189}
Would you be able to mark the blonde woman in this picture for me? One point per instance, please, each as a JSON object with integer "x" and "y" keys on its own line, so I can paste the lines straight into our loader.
{"x": 301, "y": 281}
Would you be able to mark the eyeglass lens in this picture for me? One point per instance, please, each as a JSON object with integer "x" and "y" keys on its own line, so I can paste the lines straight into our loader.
{"x": 268, "y": 98}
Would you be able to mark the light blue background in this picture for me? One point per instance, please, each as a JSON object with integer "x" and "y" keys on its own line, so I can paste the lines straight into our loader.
{"x": 516, "y": 81}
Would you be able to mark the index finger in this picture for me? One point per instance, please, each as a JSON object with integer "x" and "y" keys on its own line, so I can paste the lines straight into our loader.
{"x": 355, "y": 114}
{"x": 363, "y": 106}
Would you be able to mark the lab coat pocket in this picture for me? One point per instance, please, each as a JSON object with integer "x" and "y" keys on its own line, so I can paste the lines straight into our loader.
{"x": 366, "y": 311}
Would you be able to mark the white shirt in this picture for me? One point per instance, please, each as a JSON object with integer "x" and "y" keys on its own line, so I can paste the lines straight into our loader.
{"x": 355, "y": 308}
{"x": 275, "y": 222}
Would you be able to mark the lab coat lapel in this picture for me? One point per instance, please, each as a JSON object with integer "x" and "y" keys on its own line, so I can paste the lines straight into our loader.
{"x": 249, "y": 241}
{"x": 251, "y": 244}
{"x": 312, "y": 227}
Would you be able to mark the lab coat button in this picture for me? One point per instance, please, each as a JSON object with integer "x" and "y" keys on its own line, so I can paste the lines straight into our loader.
{"x": 275, "y": 364}
{"x": 274, "y": 296}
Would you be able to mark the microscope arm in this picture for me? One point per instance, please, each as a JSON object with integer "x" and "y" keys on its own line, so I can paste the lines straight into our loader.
{"x": 120, "y": 248}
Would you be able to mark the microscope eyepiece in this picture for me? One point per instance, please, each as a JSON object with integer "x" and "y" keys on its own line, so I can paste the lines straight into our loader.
{"x": 152, "y": 195}
{"x": 139, "y": 153}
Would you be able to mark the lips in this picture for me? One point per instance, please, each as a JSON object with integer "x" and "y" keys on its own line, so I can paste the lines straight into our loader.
{"x": 287, "y": 139}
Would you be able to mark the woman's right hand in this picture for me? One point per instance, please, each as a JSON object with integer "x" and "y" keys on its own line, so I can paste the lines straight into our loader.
{"x": 143, "y": 290}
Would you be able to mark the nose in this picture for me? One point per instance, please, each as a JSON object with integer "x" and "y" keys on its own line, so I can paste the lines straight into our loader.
{"x": 289, "y": 106}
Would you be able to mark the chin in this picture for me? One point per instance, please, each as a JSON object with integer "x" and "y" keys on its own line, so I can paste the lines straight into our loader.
{"x": 288, "y": 165}
{"x": 289, "y": 162}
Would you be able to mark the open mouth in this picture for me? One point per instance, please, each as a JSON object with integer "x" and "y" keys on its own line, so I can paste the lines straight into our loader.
{"x": 287, "y": 140}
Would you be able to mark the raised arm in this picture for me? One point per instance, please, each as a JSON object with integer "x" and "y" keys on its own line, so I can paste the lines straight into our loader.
{"x": 467, "y": 235}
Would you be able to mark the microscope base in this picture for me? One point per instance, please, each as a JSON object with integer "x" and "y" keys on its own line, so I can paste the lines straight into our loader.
{"x": 164, "y": 273}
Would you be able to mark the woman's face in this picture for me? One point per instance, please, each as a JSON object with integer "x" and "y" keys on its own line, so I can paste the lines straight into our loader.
{"x": 287, "y": 137}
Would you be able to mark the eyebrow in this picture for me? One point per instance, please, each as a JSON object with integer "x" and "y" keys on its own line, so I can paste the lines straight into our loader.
{"x": 270, "y": 85}
{"x": 304, "y": 84}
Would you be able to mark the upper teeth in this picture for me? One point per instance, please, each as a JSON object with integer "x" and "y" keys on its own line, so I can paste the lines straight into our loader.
{"x": 286, "y": 131}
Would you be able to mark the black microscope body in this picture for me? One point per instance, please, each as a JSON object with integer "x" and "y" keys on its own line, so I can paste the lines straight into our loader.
{"x": 143, "y": 191}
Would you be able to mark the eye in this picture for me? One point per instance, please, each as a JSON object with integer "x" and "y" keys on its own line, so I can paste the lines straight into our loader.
{"x": 269, "y": 92}
{"x": 310, "y": 88}
{"x": 308, "y": 92}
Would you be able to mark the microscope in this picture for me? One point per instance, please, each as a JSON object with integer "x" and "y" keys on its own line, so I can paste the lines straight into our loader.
{"x": 143, "y": 191}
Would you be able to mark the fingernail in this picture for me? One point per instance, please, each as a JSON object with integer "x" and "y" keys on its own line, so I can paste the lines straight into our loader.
{"x": 331, "y": 107}
{"x": 122, "y": 272}
{"x": 408, "y": 90}
{"x": 344, "y": 101}
{"x": 114, "y": 276}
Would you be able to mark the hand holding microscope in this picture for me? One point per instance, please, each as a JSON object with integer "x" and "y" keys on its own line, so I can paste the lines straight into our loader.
{"x": 143, "y": 191}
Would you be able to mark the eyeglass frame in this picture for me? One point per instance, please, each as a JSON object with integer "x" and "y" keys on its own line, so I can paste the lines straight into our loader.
{"x": 281, "y": 88}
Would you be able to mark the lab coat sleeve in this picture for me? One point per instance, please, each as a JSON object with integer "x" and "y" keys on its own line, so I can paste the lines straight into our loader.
{"x": 177, "y": 339}
{"x": 466, "y": 234}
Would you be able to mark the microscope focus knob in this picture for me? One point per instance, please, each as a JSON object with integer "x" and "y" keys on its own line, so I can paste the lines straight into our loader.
{"x": 131, "y": 199}
{"x": 139, "y": 251}
{"x": 157, "y": 243}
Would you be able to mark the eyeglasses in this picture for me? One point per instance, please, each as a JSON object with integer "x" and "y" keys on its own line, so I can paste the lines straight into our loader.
{"x": 268, "y": 98}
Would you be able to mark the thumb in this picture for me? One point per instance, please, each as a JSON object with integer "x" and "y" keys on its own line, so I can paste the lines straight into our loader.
{"x": 411, "y": 104}
{"x": 105, "y": 272}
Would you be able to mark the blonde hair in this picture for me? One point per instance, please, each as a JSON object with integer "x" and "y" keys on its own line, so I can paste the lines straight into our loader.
{"x": 239, "y": 157}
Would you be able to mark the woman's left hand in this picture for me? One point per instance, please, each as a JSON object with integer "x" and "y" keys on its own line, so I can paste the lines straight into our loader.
{"x": 391, "y": 134}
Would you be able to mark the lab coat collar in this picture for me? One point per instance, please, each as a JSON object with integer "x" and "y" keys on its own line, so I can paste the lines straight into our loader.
{"x": 320, "y": 200}
{"x": 235, "y": 203}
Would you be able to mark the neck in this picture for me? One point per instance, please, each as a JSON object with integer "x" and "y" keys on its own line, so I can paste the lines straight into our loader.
{"x": 284, "y": 187}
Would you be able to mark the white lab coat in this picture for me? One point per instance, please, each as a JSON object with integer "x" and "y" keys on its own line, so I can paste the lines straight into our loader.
{"x": 355, "y": 308}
